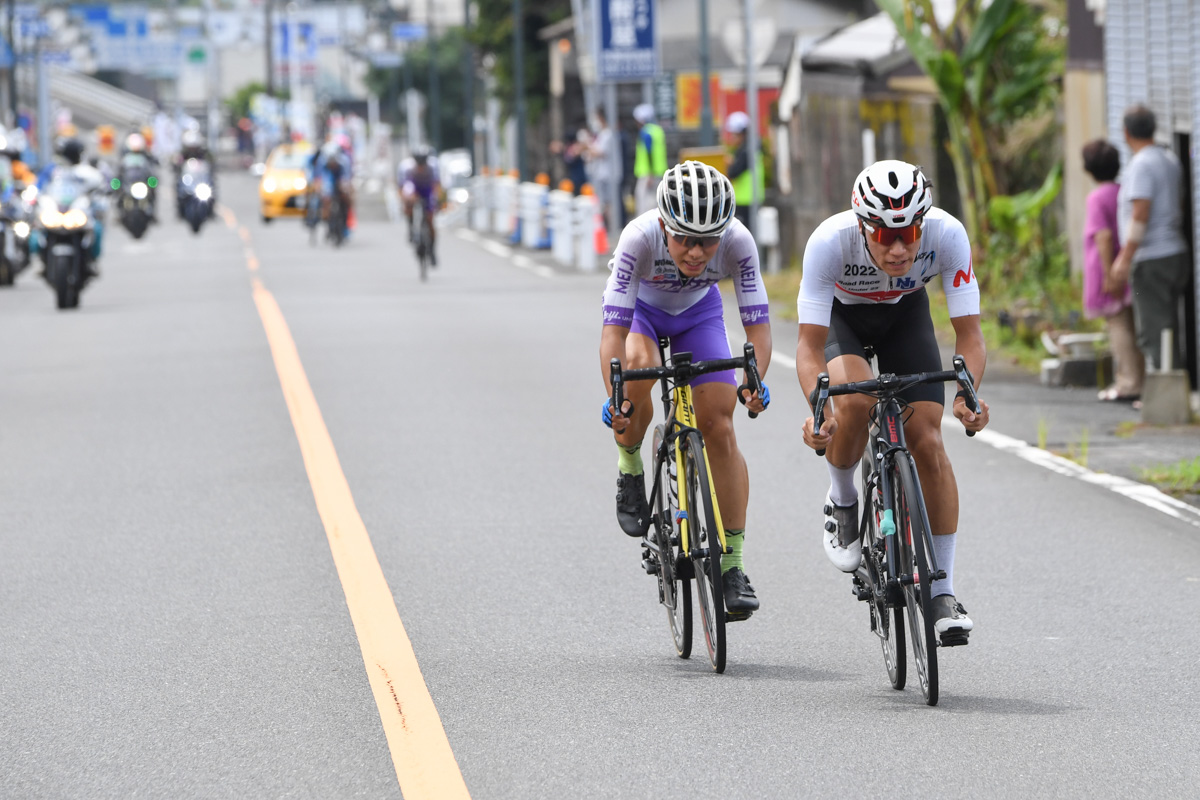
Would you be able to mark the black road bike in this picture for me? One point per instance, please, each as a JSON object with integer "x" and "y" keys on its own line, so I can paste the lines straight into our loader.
{"x": 898, "y": 564}
{"x": 686, "y": 538}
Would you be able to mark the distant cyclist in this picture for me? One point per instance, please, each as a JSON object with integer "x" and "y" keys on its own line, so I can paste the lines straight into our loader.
{"x": 419, "y": 180}
{"x": 329, "y": 172}
{"x": 664, "y": 278}
{"x": 863, "y": 285}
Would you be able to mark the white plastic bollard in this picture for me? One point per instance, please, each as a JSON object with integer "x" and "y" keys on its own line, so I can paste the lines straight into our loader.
{"x": 583, "y": 225}
{"x": 532, "y": 197}
{"x": 767, "y": 236}
{"x": 561, "y": 242}
{"x": 480, "y": 199}
{"x": 504, "y": 189}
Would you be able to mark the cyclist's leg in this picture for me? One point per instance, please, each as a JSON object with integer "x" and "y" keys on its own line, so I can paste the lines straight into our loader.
{"x": 641, "y": 350}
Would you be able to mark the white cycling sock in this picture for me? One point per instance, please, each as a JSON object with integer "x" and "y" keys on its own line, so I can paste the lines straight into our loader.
{"x": 943, "y": 553}
{"x": 843, "y": 491}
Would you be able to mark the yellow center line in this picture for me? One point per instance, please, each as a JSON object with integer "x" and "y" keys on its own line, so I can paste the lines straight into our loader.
{"x": 424, "y": 762}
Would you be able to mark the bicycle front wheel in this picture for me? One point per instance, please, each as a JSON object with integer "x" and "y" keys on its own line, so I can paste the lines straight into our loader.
{"x": 674, "y": 590}
{"x": 705, "y": 545}
{"x": 913, "y": 536}
{"x": 887, "y": 619}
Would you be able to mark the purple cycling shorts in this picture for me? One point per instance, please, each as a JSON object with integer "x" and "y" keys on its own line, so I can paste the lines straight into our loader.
{"x": 700, "y": 330}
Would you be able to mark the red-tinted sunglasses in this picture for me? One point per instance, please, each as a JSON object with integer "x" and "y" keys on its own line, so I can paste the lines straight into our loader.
{"x": 691, "y": 241}
{"x": 886, "y": 236}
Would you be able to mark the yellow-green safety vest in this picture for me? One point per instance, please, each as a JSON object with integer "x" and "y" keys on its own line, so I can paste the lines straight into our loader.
{"x": 741, "y": 184}
{"x": 652, "y": 163}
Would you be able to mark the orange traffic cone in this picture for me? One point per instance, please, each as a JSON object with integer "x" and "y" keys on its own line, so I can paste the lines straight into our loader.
{"x": 600, "y": 234}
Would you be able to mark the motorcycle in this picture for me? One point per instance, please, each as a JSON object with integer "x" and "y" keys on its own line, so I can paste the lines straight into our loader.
{"x": 67, "y": 233}
{"x": 196, "y": 193}
{"x": 135, "y": 204}
{"x": 15, "y": 231}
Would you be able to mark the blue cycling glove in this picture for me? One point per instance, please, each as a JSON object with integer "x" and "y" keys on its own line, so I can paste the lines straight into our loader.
{"x": 765, "y": 395}
{"x": 606, "y": 412}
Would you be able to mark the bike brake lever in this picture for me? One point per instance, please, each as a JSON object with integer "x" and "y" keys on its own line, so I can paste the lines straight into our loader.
{"x": 819, "y": 405}
{"x": 753, "y": 382}
{"x": 967, "y": 381}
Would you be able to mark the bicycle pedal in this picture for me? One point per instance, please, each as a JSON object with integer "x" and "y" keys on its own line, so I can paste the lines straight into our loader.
{"x": 953, "y": 640}
{"x": 738, "y": 616}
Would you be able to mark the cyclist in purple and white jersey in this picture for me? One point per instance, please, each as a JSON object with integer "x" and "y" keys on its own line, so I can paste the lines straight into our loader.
{"x": 863, "y": 285}
{"x": 419, "y": 181}
{"x": 664, "y": 278}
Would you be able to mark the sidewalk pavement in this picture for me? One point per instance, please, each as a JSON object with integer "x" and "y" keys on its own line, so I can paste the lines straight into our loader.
{"x": 1105, "y": 437}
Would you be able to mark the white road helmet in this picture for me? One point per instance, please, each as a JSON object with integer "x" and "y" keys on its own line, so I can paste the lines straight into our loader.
{"x": 893, "y": 194}
{"x": 695, "y": 199}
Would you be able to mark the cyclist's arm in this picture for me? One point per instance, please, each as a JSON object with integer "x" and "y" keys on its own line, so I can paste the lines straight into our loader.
{"x": 969, "y": 343}
{"x": 612, "y": 345}
{"x": 810, "y": 363}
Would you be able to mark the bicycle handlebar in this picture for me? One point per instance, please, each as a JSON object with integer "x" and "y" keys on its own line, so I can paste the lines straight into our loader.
{"x": 682, "y": 368}
{"x": 890, "y": 385}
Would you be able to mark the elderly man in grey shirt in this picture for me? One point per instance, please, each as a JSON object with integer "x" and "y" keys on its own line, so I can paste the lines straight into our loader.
{"x": 1153, "y": 251}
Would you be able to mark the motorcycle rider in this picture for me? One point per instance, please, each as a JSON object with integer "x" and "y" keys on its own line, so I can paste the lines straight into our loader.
{"x": 90, "y": 182}
{"x": 192, "y": 146}
{"x": 138, "y": 164}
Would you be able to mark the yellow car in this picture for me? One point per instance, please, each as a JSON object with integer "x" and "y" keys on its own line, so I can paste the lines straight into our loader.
{"x": 284, "y": 181}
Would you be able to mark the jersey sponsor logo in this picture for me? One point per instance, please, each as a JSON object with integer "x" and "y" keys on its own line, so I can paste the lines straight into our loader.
{"x": 615, "y": 315}
{"x": 905, "y": 283}
{"x": 856, "y": 270}
{"x": 878, "y": 297}
{"x": 748, "y": 274}
{"x": 622, "y": 276}
{"x": 664, "y": 262}
{"x": 755, "y": 315}
{"x": 963, "y": 276}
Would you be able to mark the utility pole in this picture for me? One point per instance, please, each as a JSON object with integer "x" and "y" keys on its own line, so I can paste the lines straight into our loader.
{"x": 269, "y": 39}
{"x": 434, "y": 109}
{"x": 519, "y": 57}
{"x": 707, "y": 139}
{"x": 12, "y": 70}
{"x": 468, "y": 86}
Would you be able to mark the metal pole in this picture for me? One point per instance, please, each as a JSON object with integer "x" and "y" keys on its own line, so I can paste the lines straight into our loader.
{"x": 614, "y": 163}
{"x": 269, "y": 39}
{"x": 519, "y": 57}
{"x": 707, "y": 137}
{"x": 434, "y": 122}
{"x": 12, "y": 70}
{"x": 752, "y": 112}
{"x": 469, "y": 87}
{"x": 43, "y": 105}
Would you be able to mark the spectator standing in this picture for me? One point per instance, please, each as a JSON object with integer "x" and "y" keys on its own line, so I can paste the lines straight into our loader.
{"x": 600, "y": 166}
{"x": 574, "y": 159}
{"x": 649, "y": 159}
{"x": 738, "y": 166}
{"x": 1153, "y": 255}
{"x": 1103, "y": 296}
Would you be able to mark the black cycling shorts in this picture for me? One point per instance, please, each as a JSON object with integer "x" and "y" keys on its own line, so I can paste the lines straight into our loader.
{"x": 901, "y": 334}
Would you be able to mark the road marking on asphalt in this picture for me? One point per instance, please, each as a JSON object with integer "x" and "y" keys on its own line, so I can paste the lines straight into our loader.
{"x": 1140, "y": 492}
{"x": 519, "y": 260}
{"x": 421, "y": 753}
{"x": 244, "y": 232}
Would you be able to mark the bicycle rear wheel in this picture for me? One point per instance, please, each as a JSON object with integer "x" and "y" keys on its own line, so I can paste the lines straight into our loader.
{"x": 421, "y": 239}
{"x": 705, "y": 547}
{"x": 886, "y": 622}
{"x": 912, "y": 536}
{"x": 674, "y": 590}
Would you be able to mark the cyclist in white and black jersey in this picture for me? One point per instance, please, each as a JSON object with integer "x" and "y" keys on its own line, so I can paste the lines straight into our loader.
{"x": 863, "y": 284}
{"x": 664, "y": 278}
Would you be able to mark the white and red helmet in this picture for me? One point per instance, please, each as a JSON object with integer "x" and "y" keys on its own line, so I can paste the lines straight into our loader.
{"x": 893, "y": 194}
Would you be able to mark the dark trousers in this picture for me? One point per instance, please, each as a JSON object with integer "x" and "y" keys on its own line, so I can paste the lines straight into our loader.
{"x": 1158, "y": 284}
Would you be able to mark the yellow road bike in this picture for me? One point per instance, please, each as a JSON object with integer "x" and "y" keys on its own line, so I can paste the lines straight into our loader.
{"x": 686, "y": 538}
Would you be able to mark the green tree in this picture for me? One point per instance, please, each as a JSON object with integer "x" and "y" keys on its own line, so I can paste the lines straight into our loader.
{"x": 449, "y": 51}
{"x": 493, "y": 35}
{"x": 998, "y": 71}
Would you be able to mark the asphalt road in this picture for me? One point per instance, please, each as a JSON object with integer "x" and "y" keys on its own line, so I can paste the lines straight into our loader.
{"x": 184, "y": 612}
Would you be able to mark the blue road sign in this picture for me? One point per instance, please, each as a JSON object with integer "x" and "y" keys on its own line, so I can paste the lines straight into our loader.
{"x": 407, "y": 31}
{"x": 626, "y": 40}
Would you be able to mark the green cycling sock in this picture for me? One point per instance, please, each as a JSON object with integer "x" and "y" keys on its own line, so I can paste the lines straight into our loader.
{"x": 734, "y": 538}
{"x": 629, "y": 459}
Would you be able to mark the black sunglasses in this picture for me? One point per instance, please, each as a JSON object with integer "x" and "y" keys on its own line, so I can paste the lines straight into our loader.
{"x": 691, "y": 241}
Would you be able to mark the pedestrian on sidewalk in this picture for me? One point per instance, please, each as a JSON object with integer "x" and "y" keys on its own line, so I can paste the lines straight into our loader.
{"x": 1104, "y": 295}
{"x": 1153, "y": 254}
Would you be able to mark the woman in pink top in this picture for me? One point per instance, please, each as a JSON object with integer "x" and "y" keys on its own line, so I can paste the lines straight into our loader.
{"x": 1103, "y": 296}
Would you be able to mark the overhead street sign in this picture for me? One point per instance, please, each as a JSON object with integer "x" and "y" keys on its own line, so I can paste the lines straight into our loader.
{"x": 626, "y": 40}
{"x": 408, "y": 31}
